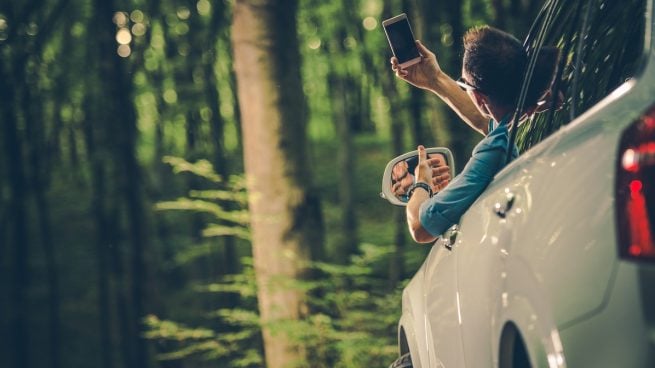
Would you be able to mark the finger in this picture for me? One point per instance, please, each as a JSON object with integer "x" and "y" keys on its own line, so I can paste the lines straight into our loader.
{"x": 441, "y": 180}
{"x": 443, "y": 184}
{"x": 440, "y": 170}
{"x": 435, "y": 161}
{"x": 422, "y": 171}
{"x": 394, "y": 61}
{"x": 422, "y": 156}
{"x": 402, "y": 74}
{"x": 422, "y": 49}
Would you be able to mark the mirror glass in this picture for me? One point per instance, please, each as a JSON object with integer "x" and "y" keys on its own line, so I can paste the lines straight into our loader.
{"x": 399, "y": 173}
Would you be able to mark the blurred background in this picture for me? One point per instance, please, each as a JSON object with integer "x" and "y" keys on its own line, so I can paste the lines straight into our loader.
{"x": 129, "y": 217}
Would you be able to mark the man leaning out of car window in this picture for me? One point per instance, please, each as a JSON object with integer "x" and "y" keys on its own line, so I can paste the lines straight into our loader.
{"x": 484, "y": 97}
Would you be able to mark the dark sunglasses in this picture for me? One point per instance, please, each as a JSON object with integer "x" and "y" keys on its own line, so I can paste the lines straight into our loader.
{"x": 466, "y": 86}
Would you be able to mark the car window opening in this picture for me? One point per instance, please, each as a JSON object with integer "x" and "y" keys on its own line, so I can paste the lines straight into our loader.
{"x": 578, "y": 60}
{"x": 598, "y": 55}
{"x": 520, "y": 105}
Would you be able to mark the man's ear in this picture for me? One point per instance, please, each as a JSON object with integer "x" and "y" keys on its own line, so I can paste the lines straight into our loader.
{"x": 480, "y": 99}
{"x": 482, "y": 102}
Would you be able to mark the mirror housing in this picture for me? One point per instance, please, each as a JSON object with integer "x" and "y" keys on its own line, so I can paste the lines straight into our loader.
{"x": 399, "y": 174}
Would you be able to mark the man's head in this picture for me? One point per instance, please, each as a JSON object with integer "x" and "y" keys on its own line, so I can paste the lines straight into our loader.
{"x": 494, "y": 62}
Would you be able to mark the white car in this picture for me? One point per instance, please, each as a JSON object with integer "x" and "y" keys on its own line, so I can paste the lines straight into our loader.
{"x": 554, "y": 264}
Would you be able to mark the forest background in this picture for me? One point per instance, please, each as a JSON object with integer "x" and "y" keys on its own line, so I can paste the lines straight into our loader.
{"x": 195, "y": 183}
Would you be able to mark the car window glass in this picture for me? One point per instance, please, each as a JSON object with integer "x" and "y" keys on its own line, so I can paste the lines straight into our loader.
{"x": 605, "y": 47}
{"x": 564, "y": 34}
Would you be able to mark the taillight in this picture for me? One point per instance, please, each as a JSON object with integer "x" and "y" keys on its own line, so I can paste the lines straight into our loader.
{"x": 635, "y": 189}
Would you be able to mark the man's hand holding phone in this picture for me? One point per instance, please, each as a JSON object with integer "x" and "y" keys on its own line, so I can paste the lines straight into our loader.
{"x": 423, "y": 74}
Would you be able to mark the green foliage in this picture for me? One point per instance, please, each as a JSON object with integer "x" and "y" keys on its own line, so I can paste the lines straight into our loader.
{"x": 231, "y": 222}
{"x": 351, "y": 318}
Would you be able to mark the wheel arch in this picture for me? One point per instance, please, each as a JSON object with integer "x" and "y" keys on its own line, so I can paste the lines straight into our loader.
{"x": 408, "y": 341}
{"x": 512, "y": 351}
{"x": 403, "y": 345}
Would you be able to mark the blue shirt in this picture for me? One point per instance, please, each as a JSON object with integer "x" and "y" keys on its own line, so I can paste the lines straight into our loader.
{"x": 442, "y": 211}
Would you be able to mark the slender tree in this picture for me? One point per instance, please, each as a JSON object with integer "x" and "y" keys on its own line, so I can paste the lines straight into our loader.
{"x": 217, "y": 24}
{"x": 388, "y": 83}
{"x": 19, "y": 240}
{"x": 285, "y": 215}
{"x": 118, "y": 87}
{"x": 16, "y": 52}
{"x": 36, "y": 149}
{"x": 104, "y": 236}
{"x": 341, "y": 95}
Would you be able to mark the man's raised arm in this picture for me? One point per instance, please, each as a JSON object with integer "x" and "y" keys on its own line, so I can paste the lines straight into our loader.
{"x": 427, "y": 74}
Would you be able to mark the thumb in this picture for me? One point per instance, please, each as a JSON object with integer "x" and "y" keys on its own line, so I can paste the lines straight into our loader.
{"x": 422, "y": 156}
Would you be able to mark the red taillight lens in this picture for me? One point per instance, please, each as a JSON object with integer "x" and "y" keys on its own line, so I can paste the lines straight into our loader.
{"x": 635, "y": 190}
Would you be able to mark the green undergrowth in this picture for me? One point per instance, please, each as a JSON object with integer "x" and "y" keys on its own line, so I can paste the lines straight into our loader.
{"x": 352, "y": 308}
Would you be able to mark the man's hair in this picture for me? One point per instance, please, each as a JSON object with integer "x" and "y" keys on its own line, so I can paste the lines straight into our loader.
{"x": 496, "y": 61}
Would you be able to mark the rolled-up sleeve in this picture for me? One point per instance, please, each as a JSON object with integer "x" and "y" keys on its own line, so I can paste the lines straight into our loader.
{"x": 442, "y": 211}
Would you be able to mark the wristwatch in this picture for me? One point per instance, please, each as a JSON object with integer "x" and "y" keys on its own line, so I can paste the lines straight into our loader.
{"x": 419, "y": 184}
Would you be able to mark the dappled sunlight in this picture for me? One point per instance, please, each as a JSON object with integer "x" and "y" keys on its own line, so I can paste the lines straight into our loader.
{"x": 370, "y": 23}
{"x": 4, "y": 25}
{"x": 129, "y": 26}
{"x": 123, "y": 36}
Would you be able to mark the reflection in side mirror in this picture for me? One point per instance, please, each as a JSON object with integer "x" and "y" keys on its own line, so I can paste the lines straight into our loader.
{"x": 399, "y": 173}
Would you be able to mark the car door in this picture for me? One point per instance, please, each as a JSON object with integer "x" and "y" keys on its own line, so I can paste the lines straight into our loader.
{"x": 442, "y": 320}
{"x": 492, "y": 281}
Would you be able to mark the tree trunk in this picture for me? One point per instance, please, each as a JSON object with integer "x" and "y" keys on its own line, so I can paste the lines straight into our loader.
{"x": 118, "y": 91}
{"x": 460, "y": 133}
{"x": 37, "y": 152}
{"x": 285, "y": 216}
{"x": 396, "y": 263}
{"x": 499, "y": 14}
{"x": 18, "y": 239}
{"x": 422, "y": 19}
{"x": 104, "y": 242}
{"x": 339, "y": 95}
{"x": 230, "y": 261}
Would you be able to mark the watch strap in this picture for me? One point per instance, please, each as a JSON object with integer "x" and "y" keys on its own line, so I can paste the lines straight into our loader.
{"x": 419, "y": 184}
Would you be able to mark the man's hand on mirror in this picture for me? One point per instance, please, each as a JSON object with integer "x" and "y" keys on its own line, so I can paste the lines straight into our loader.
{"x": 440, "y": 178}
{"x": 423, "y": 171}
{"x": 440, "y": 172}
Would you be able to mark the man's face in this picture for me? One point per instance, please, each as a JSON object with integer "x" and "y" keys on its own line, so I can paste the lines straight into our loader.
{"x": 474, "y": 94}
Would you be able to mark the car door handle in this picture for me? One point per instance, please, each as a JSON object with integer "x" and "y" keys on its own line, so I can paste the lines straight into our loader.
{"x": 452, "y": 237}
{"x": 501, "y": 209}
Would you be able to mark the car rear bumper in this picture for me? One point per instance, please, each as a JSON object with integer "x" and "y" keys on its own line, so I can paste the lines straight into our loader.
{"x": 622, "y": 332}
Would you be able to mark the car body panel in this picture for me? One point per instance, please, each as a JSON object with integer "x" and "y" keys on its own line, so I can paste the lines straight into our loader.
{"x": 444, "y": 312}
{"x": 628, "y": 343}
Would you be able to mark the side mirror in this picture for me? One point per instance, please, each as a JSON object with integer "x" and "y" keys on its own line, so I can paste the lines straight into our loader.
{"x": 399, "y": 173}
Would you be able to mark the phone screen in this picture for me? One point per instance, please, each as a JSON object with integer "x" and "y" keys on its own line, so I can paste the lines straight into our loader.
{"x": 402, "y": 40}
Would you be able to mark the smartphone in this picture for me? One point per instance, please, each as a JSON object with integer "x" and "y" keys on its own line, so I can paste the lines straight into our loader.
{"x": 401, "y": 39}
